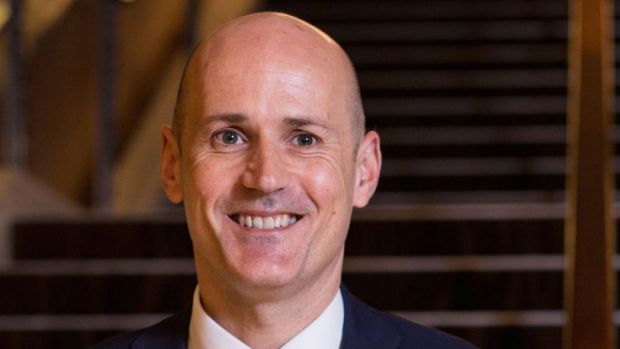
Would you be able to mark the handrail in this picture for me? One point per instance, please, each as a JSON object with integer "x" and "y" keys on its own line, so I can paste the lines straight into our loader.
{"x": 589, "y": 294}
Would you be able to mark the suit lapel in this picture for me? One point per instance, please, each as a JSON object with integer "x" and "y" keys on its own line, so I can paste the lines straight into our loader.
{"x": 169, "y": 334}
{"x": 364, "y": 327}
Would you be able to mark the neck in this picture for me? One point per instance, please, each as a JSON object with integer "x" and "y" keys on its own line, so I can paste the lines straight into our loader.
{"x": 267, "y": 319}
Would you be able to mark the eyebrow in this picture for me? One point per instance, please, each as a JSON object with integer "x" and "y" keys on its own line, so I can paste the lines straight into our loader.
{"x": 291, "y": 121}
{"x": 232, "y": 118}
{"x": 306, "y": 121}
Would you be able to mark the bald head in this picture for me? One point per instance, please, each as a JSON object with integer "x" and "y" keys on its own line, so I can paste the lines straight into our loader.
{"x": 268, "y": 41}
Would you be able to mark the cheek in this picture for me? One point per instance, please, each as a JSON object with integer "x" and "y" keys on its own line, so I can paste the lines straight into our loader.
{"x": 208, "y": 176}
{"x": 329, "y": 186}
{"x": 203, "y": 187}
{"x": 325, "y": 182}
{"x": 199, "y": 192}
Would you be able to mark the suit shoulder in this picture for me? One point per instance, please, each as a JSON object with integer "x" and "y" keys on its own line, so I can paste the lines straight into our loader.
{"x": 170, "y": 332}
{"x": 417, "y": 336}
{"x": 122, "y": 341}
{"x": 379, "y": 326}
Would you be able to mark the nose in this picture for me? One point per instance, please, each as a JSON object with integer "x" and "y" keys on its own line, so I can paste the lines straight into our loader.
{"x": 265, "y": 171}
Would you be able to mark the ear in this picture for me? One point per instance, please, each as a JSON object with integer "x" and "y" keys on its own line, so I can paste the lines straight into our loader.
{"x": 170, "y": 168}
{"x": 367, "y": 169}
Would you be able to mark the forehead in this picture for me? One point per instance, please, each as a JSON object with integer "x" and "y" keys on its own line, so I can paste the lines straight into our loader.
{"x": 270, "y": 76}
{"x": 268, "y": 91}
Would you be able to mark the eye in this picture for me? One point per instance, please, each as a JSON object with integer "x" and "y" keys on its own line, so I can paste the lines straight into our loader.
{"x": 305, "y": 140}
{"x": 229, "y": 137}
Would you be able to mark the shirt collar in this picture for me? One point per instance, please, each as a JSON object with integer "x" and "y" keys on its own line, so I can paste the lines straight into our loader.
{"x": 324, "y": 332}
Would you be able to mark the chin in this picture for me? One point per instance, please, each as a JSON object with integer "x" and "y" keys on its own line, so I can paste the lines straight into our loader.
{"x": 269, "y": 276}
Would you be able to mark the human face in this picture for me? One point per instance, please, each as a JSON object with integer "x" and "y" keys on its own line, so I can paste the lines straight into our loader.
{"x": 269, "y": 173}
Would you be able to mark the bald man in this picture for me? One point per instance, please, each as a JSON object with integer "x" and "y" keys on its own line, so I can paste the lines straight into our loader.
{"x": 268, "y": 154}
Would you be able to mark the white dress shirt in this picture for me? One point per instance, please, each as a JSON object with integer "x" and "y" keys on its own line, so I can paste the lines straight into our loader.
{"x": 324, "y": 332}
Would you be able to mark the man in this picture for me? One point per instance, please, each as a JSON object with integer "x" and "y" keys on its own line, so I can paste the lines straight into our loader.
{"x": 269, "y": 156}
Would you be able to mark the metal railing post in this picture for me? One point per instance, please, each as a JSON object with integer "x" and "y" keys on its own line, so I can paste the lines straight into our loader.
{"x": 191, "y": 16}
{"x": 106, "y": 121}
{"x": 15, "y": 140}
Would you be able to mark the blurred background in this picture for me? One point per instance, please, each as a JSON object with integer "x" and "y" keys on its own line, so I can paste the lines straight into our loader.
{"x": 465, "y": 232}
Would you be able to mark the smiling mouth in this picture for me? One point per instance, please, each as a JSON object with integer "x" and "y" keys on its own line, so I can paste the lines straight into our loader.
{"x": 265, "y": 222}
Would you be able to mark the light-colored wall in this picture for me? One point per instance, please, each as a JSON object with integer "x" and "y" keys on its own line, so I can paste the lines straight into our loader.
{"x": 62, "y": 78}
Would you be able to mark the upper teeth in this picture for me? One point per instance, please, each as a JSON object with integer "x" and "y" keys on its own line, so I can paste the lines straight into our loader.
{"x": 268, "y": 222}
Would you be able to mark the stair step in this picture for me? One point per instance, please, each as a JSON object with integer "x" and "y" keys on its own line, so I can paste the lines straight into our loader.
{"x": 523, "y": 153}
{"x": 471, "y": 183}
{"x": 441, "y": 105}
{"x": 349, "y": 10}
{"x": 87, "y": 294}
{"x": 445, "y": 30}
{"x": 468, "y": 197}
{"x": 437, "y": 80}
{"x": 467, "y": 120}
{"x": 101, "y": 239}
{"x": 473, "y": 135}
{"x": 459, "y": 291}
{"x": 508, "y": 337}
{"x": 393, "y": 236}
{"x": 473, "y": 166}
{"x": 128, "y": 294}
{"x": 453, "y": 53}
{"x": 418, "y": 92}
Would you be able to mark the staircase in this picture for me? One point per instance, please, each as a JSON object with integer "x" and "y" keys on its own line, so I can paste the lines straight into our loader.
{"x": 469, "y": 97}
{"x": 465, "y": 232}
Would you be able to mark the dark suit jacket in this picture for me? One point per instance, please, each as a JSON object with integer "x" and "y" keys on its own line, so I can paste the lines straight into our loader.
{"x": 364, "y": 328}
